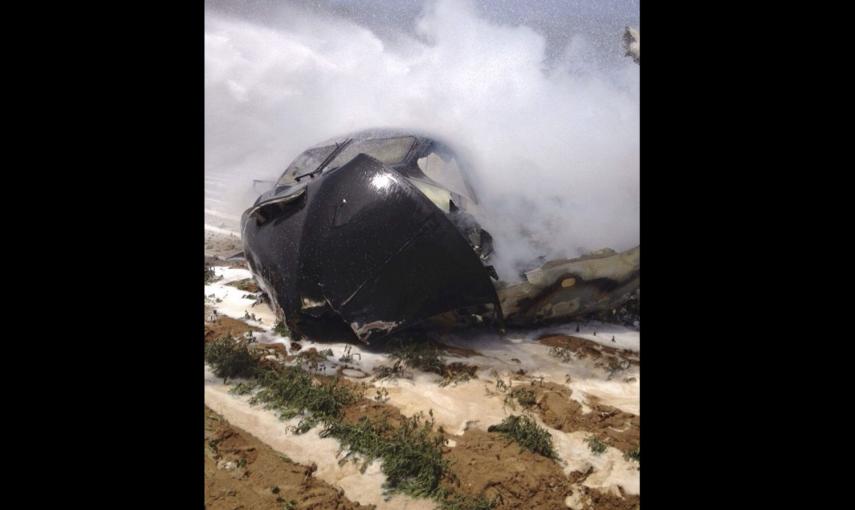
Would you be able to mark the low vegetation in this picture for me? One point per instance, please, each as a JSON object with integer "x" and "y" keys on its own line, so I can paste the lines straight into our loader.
{"x": 313, "y": 359}
{"x": 230, "y": 357}
{"x": 424, "y": 355}
{"x": 291, "y": 391}
{"x": 411, "y": 454}
{"x": 524, "y": 396}
{"x": 596, "y": 446}
{"x": 393, "y": 371}
{"x": 210, "y": 275}
{"x": 525, "y": 431}
{"x": 633, "y": 455}
{"x": 564, "y": 354}
{"x": 281, "y": 329}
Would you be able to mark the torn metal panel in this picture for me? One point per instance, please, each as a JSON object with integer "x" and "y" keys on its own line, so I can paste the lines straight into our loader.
{"x": 366, "y": 330}
{"x": 563, "y": 289}
{"x": 358, "y": 249}
{"x": 381, "y": 252}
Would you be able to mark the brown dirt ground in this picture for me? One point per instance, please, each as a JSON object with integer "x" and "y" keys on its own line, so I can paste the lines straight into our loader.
{"x": 555, "y": 407}
{"x": 246, "y": 285}
{"x": 594, "y": 499}
{"x": 486, "y": 465}
{"x": 602, "y": 355}
{"x": 463, "y": 352}
{"x": 460, "y": 370}
{"x": 483, "y": 464}
{"x": 223, "y": 326}
{"x": 376, "y": 412}
{"x": 494, "y": 467}
{"x": 242, "y": 472}
{"x": 214, "y": 260}
{"x": 276, "y": 349}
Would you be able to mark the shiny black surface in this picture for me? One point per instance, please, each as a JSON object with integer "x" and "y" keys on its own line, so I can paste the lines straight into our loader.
{"x": 360, "y": 251}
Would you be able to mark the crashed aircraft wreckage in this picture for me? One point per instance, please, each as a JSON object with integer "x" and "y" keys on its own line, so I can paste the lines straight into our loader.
{"x": 372, "y": 233}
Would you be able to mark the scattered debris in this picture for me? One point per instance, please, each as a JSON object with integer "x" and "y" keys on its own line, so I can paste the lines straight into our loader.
{"x": 627, "y": 314}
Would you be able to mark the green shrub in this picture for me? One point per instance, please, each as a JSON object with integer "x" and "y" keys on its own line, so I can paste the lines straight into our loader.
{"x": 425, "y": 355}
{"x": 231, "y": 357}
{"x": 524, "y": 396}
{"x": 633, "y": 455}
{"x": 281, "y": 329}
{"x": 420, "y": 354}
{"x": 564, "y": 354}
{"x": 389, "y": 372}
{"x": 596, "y": 446}
{"x": 292, "y": 391}
{"x": 411, "y": 454}
{"x": 210, "y": 275}
{"x": 527, "y": 433}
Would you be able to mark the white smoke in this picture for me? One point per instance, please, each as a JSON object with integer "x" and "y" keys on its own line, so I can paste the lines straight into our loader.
{"x": 555, "y": 145}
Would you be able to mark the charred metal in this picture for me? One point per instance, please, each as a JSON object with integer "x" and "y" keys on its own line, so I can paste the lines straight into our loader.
{"x": 367, "y": 236}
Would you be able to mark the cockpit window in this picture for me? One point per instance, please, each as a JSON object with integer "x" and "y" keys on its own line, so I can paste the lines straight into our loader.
{"x": 387, "y": 150}
{"x": 305, "y": 162}
{"x": 442, "y": 167}
{"x": 390, "y": 151}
